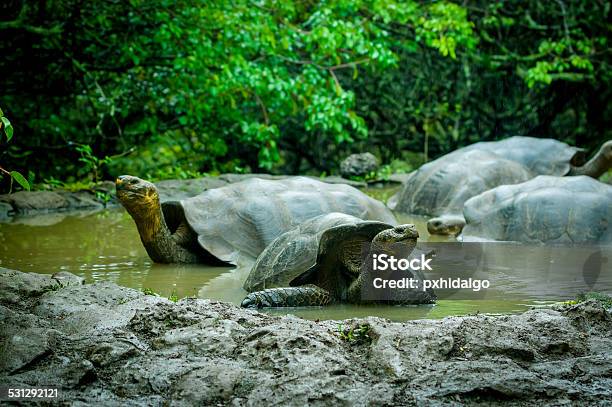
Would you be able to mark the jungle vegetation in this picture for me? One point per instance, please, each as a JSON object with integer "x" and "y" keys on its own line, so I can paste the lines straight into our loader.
{"x": 178, "y": 88}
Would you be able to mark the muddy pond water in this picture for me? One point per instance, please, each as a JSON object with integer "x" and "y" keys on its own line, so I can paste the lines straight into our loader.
{"x": 105, "y": 246}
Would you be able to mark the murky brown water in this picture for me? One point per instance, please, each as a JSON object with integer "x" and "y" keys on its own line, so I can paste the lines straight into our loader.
{"x": 106, "y": 246}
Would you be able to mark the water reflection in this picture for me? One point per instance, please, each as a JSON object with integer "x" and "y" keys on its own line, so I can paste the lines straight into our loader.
{"x": 99, "y": 246}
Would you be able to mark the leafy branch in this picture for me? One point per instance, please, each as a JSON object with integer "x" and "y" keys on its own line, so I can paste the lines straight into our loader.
{"x": 7, "y": 128}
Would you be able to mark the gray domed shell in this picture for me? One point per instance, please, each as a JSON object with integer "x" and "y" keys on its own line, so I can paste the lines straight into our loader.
{"x": 295, "y": 251}
{"x": 241, "y": 219}
{"x": 442, "y": 186}
{"x": 545, "y": 209}
{"x": 541, "y": 156}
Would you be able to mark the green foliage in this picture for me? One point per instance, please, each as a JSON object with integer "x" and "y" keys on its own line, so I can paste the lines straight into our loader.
{"x": 52, "y": 183}
{"x": 446, "y": 28}
{"x": 606, "y": 177}
{"x": 403, "y": 167}
{"x": 397, "y": 167}
{"x": 20, "y": 179}
{"x": 149, "y": 291}
{"x": 535, "y": 69}
{"x": 7, "y": 128}
{"x": 103, "y": 196}
{"x": 231, "y": 82}
{"x": 160, "y": 158}
{"x": 91, "y": 163}
{"x": 385, "y": 171}
{"x": 355, "y": 334}
{"x": 174, "y": 297}
{"x": 182, "y": 88}
{"x": 602, "y": 298}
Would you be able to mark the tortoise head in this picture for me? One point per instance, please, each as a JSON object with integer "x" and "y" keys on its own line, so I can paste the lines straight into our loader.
{"x": 138, "y": 196}
{"x": 403, "y": 234}
{"x": 446, "y": 225}
{"x": 598, "y": 164}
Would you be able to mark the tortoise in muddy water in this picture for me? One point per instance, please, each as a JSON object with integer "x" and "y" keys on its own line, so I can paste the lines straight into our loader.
{"x": 545, "y": 209}
{"x": 441, "y": 187}
{"x": 321, "y": 262}
{"x": 237, "y": 221}
{"x": 541, "y": 156}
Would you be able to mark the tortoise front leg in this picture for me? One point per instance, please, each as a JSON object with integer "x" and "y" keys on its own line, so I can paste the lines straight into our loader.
{"x": 303, "y": 296}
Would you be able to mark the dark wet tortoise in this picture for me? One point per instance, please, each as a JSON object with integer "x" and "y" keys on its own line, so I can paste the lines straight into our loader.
{"x": 322, "y": 262}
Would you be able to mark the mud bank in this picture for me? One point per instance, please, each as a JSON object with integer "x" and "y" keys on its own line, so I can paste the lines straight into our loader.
{"x": 101, "y": 343}
{"x": 24, "y": 203}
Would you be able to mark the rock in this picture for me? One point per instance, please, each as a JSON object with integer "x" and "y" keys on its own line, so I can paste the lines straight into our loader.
{"x": 213, "y": 384}
{"x": 399, "y": 178}
{"x": 17, "y": 287}
{"x": 81, "y": 200}
{"x": 28, "y": 201}
{"x": 66, "y": 279}
{"x": 6, "y": 211}
{"x": 78, "y": 373}
{"x": 107, "y": 353}
{"x": 98, "y": 306}
{"x": 42, "y": 202}
{"x": 23, "y": 340}
{"x": 358, "y": 165}
{"x": 105, "y": 344}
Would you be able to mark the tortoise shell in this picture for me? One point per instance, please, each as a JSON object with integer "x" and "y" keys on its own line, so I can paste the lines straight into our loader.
{"x": 443, "y": 185}
{"x": 542, "y": 210}
{"x": 541, "y": 156}
{"x": 241, "y": 219}
{"x": 296, "y": 251}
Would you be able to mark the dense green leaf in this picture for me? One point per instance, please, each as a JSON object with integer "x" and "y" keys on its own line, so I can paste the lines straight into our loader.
{"x": 8, "y": 128}
{"x": 20, "y": 180}
{"x": 191, "y": 86}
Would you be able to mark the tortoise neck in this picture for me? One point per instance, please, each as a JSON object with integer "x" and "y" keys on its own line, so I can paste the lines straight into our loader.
{"x": 155, "y": 235}
{"x": 596, "y": 166}
{"x": 355, "y": 293}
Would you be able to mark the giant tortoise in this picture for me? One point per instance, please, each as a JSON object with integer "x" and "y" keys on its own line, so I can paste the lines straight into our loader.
{"x": 222, "y": 224}
{"x": 326, "y": 260}
{"x": 545, "y": 209}
{"x": 439, "y": 189}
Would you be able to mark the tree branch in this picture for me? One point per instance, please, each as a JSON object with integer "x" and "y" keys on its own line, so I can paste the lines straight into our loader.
{"x": 263, "y": 108}
{"x": 20, "y": 24}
